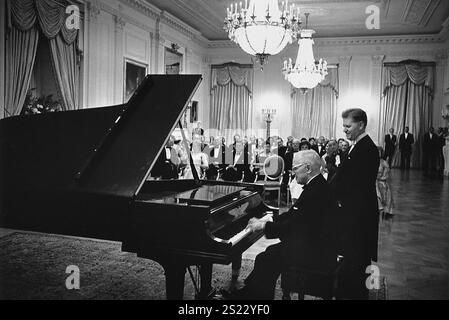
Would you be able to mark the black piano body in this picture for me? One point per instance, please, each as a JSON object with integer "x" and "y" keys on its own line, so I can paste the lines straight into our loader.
{"x": 85, "y": 173}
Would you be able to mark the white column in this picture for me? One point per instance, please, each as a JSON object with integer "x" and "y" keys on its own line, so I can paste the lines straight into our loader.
{"x": 343, "y": 74}
{"x": 205, "y": 108}
{"x": 2, "y": 57}
{"x": 91, "y": 58}
{"x": 119, "y": 63}
{"x": 159, "y": 48}
{"x": 376, "y": 93}
{"x": 441, "y": 90}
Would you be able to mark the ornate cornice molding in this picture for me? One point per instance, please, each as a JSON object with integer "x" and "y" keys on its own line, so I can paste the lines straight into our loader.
{"x": 143, "y": 7}
{"x": 351, "y": 41}
{"x": 386, "y": 40}
{"x": 178, "y": 25}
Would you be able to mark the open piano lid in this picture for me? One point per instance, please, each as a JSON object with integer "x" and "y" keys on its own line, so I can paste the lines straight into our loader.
{"x": 126, "y": 155}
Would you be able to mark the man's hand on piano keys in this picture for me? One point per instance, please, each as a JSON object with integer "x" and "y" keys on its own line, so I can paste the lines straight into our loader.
{"x": 255, "y": 224}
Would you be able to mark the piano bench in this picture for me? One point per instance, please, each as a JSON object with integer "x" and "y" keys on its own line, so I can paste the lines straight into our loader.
{"x": 317, "y": 283}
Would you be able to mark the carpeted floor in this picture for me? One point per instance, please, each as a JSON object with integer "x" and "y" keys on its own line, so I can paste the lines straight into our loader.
{"x": 33, "y": 266}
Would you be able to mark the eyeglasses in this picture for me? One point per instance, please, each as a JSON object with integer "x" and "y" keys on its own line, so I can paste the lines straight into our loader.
{"x": 296, "y": 168}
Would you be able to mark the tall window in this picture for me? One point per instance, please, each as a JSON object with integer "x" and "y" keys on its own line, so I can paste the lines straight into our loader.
{"x": 407, "y": 102}
{"x": 231, "y": 99}
{"x": 42, "y": 53}
{"x": 314, "y": 112}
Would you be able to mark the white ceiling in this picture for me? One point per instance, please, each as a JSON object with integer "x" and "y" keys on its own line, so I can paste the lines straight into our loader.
{"x": 330, "y": 18}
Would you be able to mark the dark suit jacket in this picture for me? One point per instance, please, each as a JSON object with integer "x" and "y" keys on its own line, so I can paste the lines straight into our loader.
{"x": 405, "y": 145}
{"x": 390, "y": 144}
{"x": 322, "y": 152}
{"x": 221, "y": 159}
{"x": 242, "y": 166}
{"x": 306, "y": 228}
{"x": 165, "y": 168}
{"x": 431, "y": 145}
{"x": 354, "y": 185}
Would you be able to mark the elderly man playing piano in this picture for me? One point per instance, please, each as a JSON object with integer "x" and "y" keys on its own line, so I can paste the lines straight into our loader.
{"x": 302, "y": 230}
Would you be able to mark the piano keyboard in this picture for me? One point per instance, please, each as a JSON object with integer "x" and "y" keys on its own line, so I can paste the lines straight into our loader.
{"x": 244, "y": 233}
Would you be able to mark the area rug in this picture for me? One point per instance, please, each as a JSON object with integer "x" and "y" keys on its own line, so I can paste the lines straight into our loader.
{"x": 33, "y": 266}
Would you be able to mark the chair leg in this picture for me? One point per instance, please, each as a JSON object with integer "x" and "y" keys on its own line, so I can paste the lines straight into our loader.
{"x": 279, "y": 198}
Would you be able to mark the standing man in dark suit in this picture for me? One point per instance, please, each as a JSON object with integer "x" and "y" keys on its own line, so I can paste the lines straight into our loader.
{"x": 303, "y": 232}
{"x": 430, "y": 148}
{"x": 406, "y": 141}
{"x": 390, "y": 146}
{"x": 354, "y": 185}
{"x": 217, "y": 158}
{"x": 321, "y": 146}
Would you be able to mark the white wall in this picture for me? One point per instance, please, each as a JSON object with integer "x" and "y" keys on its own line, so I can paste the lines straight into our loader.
{"x": 121, "y": 29}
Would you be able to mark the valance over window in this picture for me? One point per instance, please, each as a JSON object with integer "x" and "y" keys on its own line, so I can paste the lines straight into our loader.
{"x": 417, "y": 74}
{"x": 49, "y": 14}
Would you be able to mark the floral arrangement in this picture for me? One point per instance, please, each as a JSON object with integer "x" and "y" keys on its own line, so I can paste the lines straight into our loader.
{"x": 44, "y": 104}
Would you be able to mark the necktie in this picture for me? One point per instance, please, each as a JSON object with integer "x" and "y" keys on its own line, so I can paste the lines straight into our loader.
{"x": 352, "y": 147}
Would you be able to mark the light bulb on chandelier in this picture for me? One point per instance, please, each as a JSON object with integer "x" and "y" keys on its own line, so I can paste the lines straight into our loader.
{"x": 261, "y": 28}
{"x": 306, "y": 73}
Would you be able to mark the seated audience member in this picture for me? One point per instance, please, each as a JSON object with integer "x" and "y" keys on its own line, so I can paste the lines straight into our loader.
{"x": 304, "y": 145}
{"x": 288, "y": 160}
{"x": 252, "y": 149}
{"x": 169, "y": 162}
{"x": 312, "y": 143}
{"x": 281, "y": 148}
{"x": 340, "y": 141}
{"x": 237, "y": 138}
{"x": 384, "y": 193}
{"x": 265, "y": 153}
{"x": 200, "y": 159}
{"x": 198, "y": 130}
{"x": 331, "y": 159}
{"x": 296, "y": 147}
{"x": 217, "y": 158}
{"x": 321, "y": 146}
{"x": 239, "y": 167}
{"x": 304, "y": 232}
{"x": 344, "y": 150}
{"x": 290, "y": 143}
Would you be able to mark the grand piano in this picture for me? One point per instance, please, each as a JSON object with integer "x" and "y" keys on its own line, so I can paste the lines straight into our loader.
{"x": 86, "y": 173}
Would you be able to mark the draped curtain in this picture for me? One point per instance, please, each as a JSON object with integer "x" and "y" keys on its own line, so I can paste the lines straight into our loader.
{"x": 407, "y": 102}
{"x": 314, "y": 112}
{"x": 231, "y": 99}
{"x": 26, "y": 18}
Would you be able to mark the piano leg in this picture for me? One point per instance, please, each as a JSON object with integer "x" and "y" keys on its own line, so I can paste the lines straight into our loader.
{"x": 174, "y": 281}
{"x": 236, "y": 266}
{"x": 206, "y": 290}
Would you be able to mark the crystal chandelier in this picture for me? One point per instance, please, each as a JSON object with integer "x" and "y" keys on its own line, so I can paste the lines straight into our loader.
{"x": 262, "y": 29}
{"x": 306, "y": 73}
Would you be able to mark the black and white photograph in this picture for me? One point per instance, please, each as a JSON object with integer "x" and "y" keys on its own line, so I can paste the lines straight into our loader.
{"x": 241, "y": 154}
